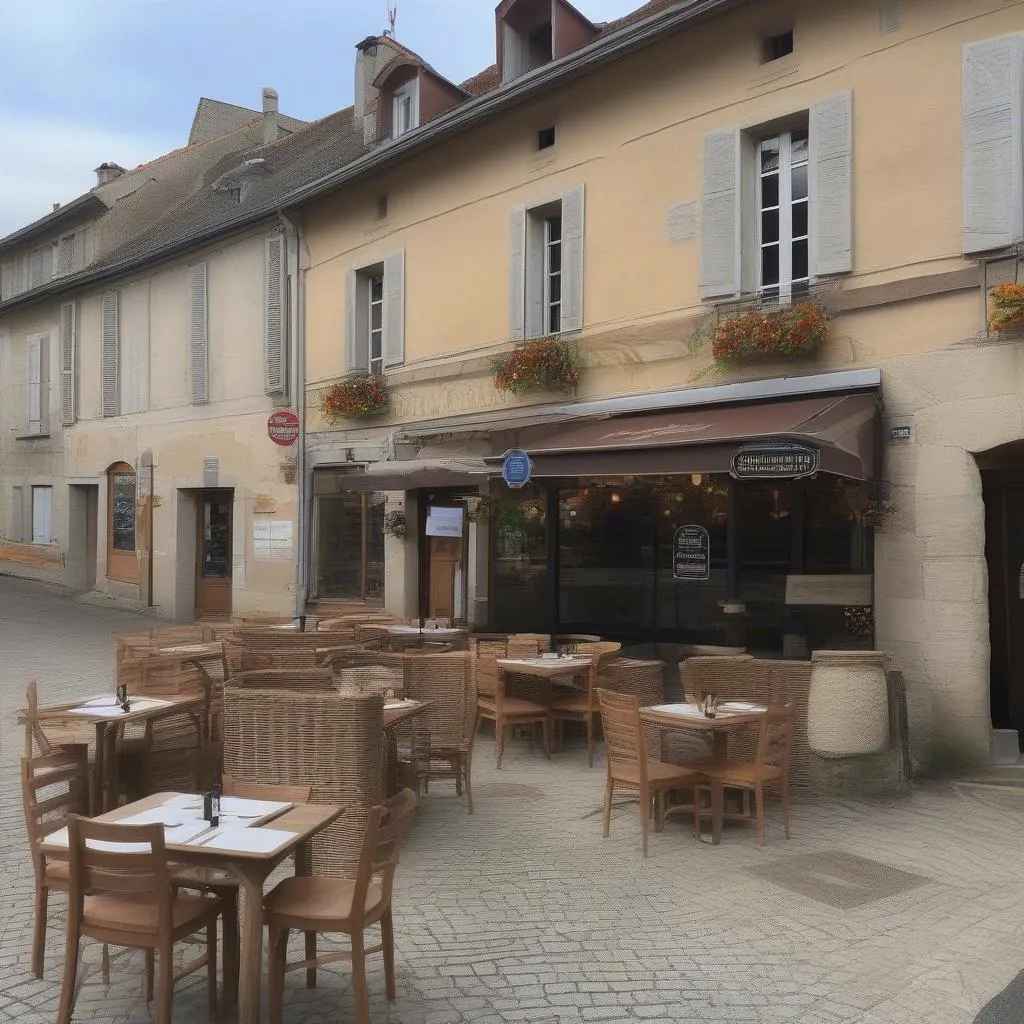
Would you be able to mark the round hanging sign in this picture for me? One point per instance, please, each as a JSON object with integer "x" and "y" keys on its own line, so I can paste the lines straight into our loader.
{"x": 283, "y": 427}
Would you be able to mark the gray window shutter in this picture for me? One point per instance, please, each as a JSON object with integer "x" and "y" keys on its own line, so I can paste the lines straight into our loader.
{"x": 44, "y": 384}
{"x": 40, "y": 266}
{"x": 993, "y": 165}
{"x": 65, "y": 255}
{"x": 720, "y": 215}
{"x": 394, "y": 308}
{"x": 198, "y": 354}
{"x": 35, "y": 390}
{"x": 572, "y": 259}
{"x": 68, "y": 328}
{"x": 513, "y": 53}
{"x": 357, "y": 345}
{"x": 110, "y": 353}
{"x": 517, "y": 274}
{"x": 274, "y": 315}
{"x": 831, "y": 185}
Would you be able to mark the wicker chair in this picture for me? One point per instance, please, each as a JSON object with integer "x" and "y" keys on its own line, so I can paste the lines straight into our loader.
{"x": 313, "y": 680}
{"x": 770, "y": 767}
{"x": 629, "y": 766}
{"x": 331, "y": 742}
{"x": 583, "y": 706}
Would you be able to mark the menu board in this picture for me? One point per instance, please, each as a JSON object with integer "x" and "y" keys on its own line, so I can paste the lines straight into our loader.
{"x": 691, "y": 553}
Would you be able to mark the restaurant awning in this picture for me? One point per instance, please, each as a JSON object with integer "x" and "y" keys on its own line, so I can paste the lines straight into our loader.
{"x": 405, "y": 475}
{"x": 704, "y": 440}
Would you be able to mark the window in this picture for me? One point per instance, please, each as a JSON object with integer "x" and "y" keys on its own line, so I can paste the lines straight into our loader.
{"x": 38, "y": 384}
{"x": 784, "y": 222}
{"x": 552, "y": 275}
{"x": 42, "y": 515}
{"x": 539, "y": 46}
{"x": 774, "y": 47}
{"x": 375, "y": 315}
{"x": 350, "y": 545}
{"x": 546, "y": 138}
{"x": 405, "y": 109}
{"x": 65, "y": 255}
{"x": 122, "y": 563}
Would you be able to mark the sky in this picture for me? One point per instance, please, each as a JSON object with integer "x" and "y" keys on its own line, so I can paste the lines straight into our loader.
{"x": 88, "y": 81}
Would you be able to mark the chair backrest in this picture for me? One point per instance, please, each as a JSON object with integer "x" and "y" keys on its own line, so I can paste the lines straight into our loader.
{"x": 620, "y": 722}
{"x": 775, "y": 737}
{"x": 485, "y": 672}
{"x": 443, "y": 681}
{"x": 53, "y": 786}
{"x": 378, "y": 860}
{"x": 120, "y": 860}
{"x": 716, "y": 674}
{"x": 239, "y": 658}
{"x": 538, "y": 643}
{"x": 35, "y": 739}
{"x": 312, "y": 679}
{"x": 230, "y": 786}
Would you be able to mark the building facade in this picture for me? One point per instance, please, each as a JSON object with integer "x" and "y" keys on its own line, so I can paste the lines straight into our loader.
{"x": 635, "y": 189}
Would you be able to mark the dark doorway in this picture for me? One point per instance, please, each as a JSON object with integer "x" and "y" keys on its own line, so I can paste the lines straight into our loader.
{"x": 213, "y": 551}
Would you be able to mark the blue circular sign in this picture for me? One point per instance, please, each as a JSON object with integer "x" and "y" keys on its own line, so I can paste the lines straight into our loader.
{"x": 516, "y": 468}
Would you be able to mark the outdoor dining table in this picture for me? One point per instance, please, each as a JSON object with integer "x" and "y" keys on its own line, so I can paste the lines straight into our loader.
{"x": 689, "y": 716}
{"x": 562, "y": 670}
{"x": 441, "y": 632}
{"x": 108, "y": 720}
{"x": 248, "y": 853}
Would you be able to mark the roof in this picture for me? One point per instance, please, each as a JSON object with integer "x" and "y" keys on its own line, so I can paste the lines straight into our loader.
{"x": 214, "y": 117}
{"x": 171, "y": 205}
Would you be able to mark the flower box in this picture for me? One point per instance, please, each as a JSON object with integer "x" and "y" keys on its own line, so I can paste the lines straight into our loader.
{"x": 355, "y": 397}
{"x": 543, "y": 364}
{"x": 1007, "y": 307}
{"x": 788, "y": 331}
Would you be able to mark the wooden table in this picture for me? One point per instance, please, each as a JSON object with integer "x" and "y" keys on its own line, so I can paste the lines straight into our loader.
{"x": 108, "y": 723}
{"x": 561, "y": 670}
{"x": 720, "y": 726}
{"x": 251, "y": 869}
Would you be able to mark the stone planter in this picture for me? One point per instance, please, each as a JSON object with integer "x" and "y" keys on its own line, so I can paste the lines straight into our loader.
{"x": 848, "y": 704}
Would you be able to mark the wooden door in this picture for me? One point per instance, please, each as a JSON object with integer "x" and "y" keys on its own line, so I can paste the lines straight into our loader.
{"x": 213, "y": 550}
{"x": 445, "y": 561}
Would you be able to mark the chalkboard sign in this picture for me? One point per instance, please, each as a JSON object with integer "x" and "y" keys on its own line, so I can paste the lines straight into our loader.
{"x": 691, "y": 553}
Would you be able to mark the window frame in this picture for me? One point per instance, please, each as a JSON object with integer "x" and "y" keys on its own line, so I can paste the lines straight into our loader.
{"x": 405, "y": 96}
{"x": 786, "y": 286}
{"x": 374, "y": 363}
{"x": 552, "y": 313}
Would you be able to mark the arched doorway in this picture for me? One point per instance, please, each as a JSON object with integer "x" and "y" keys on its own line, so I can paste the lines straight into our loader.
{"x": 122, "y": 508}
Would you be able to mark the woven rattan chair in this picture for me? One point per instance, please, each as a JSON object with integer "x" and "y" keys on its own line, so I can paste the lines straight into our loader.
{"x": 313, "y": 905}
{"x": 770, "y": 767}
{"x": 331, "y": 742}
{"x": 583, "y": 706}
{"x": 629, "y": 766}
{"x": 313, "y": 679}
{"x": 53, "y": 786}
{"x": 493, "y": 704}
{"x": 125, "y": 898}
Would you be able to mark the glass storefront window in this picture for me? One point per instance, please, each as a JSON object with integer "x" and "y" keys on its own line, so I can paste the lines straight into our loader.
{"x": 350, "y": 546}
{"x": 519, "y": 593}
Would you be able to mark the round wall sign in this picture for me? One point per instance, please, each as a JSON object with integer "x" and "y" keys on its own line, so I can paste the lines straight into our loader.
{"x": 283, "y": 427}
{"x": 516, "y": 468}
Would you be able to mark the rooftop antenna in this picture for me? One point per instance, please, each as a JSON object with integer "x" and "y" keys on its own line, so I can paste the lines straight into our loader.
{"x": 392, "y": 18}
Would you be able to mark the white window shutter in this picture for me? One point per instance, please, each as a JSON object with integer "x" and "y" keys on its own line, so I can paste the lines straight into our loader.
{"x": 110, "y": 353}
{"x": 394, "y": 308}
{"x": 44, "y": 384}
{"x": 357, "y": 345}
{"x": 35, "y": 398}
{"x": 68, "y": 329}
{"x": 993, "y": 164}
{"x": 274, "y": 315}
{"x": 42, "y": 515}
{"x": 572, "y": 259}
{"x": 198, "y": 348}
{"x": 517, "y": 273}
{"x": 830, "y": 183}
{"x": 720, "y": 215}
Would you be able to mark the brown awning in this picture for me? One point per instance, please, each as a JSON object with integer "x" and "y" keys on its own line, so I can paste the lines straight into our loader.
{"x": 403, "y": 475}
{"x": 704, "y": 440}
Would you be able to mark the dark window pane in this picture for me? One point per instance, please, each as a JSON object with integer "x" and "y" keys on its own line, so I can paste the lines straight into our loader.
{"x": 554, "y": 319}
{"x": 799, "y": 260}
{"x": 770, "y": 226}
{"x": 800, "y": 182}
{"x": 799, "y": 147}
{"x": 216, "y": 537}
{"x": 376, "y": 289}
{"x": 555, "y": 286}
{"x": 770, "y": 191}
{"x": 554, "y": 229}
{"x": 770, "y": 265}
{"x": 799, "y": 219}
{"x": 554, "y": 258}
{"x": 770, "y": 155}
{"x": 123, "y": 526}
{"x": 376, "y": 314}
{"x": 519, "y": 558}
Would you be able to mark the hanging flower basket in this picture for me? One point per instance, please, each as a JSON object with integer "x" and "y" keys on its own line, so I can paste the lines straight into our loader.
{"x": 394, "y": 523}
{"x": 544, "y": 364}
{"x": 478, "y": 510}
{"x": 355, "y": 397}
{"x": 789, "y": 331}
{"x": 1007, "y": 307}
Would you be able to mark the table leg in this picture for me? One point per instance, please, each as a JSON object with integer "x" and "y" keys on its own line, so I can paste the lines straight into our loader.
{"x": 720, "y": 754}
{"x": 250, "y": 969}
{"x": 97, "y": 783}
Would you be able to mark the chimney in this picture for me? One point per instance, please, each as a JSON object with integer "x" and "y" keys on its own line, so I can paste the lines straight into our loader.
{"x": 107, "y": 172}
{"x": 269, "y": 116}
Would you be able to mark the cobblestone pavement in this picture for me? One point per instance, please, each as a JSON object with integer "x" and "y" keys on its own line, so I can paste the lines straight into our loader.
{"x": 877, "y": 912}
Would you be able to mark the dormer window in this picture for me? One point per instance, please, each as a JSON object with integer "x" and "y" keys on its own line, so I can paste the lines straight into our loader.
{"x": 405, "y": 109}
{"x": 532, "y": 33}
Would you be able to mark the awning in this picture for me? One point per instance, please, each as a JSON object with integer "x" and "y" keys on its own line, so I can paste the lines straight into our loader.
{"x": 404, "y": 475}
{"x": 704, "y": 440}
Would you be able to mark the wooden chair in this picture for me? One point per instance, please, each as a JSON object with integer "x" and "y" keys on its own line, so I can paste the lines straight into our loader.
{"x": 44, "y": 738}
{"x": 125, "y": 898}
{"x": 53, "y": 786}
{"x": 583, "y": 706}
{"x": 629, "y": 767}
{"x": 493, "y": 705}
{"x": 313, "y": 905}
{"x": 770, "y": 767}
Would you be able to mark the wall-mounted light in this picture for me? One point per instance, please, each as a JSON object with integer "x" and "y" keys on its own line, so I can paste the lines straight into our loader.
{"x": 616, "y": 497}
{"x": 696, "y": 479}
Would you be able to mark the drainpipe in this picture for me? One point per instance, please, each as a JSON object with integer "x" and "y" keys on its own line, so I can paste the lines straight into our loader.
{"x": 297, "y": 385}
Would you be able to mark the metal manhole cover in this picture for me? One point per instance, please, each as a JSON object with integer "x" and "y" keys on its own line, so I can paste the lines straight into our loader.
{"x": 508, "y": 791}
{"x": 841, "y": 880}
